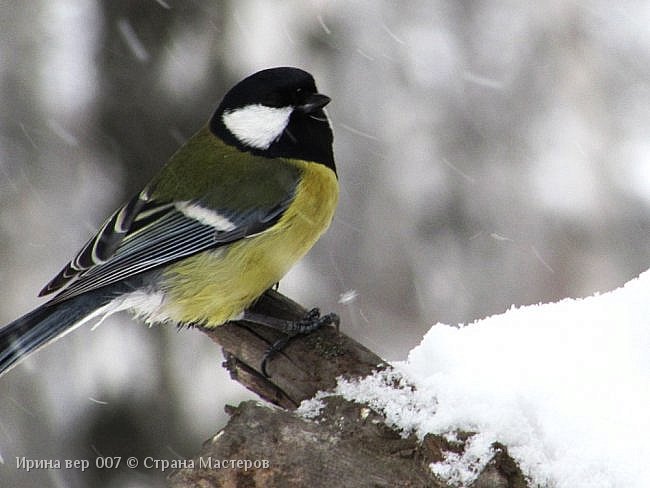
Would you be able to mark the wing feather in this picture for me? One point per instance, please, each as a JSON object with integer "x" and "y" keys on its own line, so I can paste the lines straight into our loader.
{"x": 144, "y": 234}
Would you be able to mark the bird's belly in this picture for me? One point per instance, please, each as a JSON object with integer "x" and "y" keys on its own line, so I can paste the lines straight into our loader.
{"x": 216, "y": 286}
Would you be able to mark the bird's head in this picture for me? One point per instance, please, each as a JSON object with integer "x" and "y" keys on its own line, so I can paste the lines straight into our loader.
{"x": 276, "y": 112}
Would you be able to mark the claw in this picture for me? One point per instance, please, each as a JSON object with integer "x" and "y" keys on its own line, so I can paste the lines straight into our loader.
{"x": 311, "y": 322}
{"x": 276, "y": 347}
{"x": 312, "y": 315}
{"x": 335, "y": 320}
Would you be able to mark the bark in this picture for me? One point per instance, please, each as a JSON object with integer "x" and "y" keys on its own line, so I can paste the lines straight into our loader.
{"x": 348, "y": 444}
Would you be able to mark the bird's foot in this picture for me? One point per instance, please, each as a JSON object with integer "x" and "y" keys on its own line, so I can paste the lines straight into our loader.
{"x": 311, "y": 322}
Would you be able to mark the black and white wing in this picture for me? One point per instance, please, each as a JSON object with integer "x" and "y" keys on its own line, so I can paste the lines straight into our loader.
{"x": 144, "y": 234}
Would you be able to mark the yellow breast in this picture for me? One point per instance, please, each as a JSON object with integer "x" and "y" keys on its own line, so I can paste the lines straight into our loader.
{"x": 216, "y": 286}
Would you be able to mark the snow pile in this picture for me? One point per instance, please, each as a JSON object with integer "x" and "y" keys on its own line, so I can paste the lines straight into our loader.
{"x": 565, "y": 386}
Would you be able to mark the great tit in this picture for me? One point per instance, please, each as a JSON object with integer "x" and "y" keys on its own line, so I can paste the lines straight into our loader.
{"x": 234, "y": 208}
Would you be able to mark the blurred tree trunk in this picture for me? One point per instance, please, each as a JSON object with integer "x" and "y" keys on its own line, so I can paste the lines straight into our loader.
{"x": 136, "y": 114}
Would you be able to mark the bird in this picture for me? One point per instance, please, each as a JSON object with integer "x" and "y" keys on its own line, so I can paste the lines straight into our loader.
{"x": 221, "y": 222}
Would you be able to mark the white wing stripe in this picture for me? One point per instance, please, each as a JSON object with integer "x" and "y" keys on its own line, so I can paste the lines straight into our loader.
{"x": 145, "y": 214}
{"x": 205, "y": 216}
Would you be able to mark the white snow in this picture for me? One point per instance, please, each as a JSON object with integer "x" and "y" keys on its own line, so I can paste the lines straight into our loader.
{"x": 565, "y": 386}
{"x": 311, "y": 408}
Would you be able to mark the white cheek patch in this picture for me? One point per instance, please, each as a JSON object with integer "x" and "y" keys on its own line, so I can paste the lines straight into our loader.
{"x": 205, "y": 216}
{"x": 257, "y": 125}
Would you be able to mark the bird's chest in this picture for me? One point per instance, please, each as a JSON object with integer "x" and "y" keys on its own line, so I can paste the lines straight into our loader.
{"x": 215, "y": 286}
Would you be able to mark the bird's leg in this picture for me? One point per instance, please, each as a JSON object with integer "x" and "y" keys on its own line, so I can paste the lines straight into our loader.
{"x": 311, "y": 322}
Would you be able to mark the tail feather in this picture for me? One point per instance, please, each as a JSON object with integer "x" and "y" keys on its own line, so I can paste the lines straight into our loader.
{"x": 41, "y": 326}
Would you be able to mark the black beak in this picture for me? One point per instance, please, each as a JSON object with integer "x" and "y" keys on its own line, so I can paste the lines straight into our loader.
{"x": 313, "y": 102}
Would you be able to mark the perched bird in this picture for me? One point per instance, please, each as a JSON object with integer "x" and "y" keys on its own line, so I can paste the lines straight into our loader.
{"x": 234, "y": 208}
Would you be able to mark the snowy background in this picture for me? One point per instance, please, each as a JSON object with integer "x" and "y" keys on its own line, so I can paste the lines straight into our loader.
{"x": 565, "y": 386}
{"x": 490, "y": 153}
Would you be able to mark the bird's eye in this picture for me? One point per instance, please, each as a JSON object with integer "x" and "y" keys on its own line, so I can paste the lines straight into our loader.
{"x": 297, "y": 96}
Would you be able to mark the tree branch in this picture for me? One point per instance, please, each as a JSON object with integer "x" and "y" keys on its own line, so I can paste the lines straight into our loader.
{"x": 348, "y": 444}
{"x": 307, "y": 365}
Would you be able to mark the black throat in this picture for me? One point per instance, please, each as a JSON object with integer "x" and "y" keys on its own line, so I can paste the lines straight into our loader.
{"x": 308, "y": 136}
